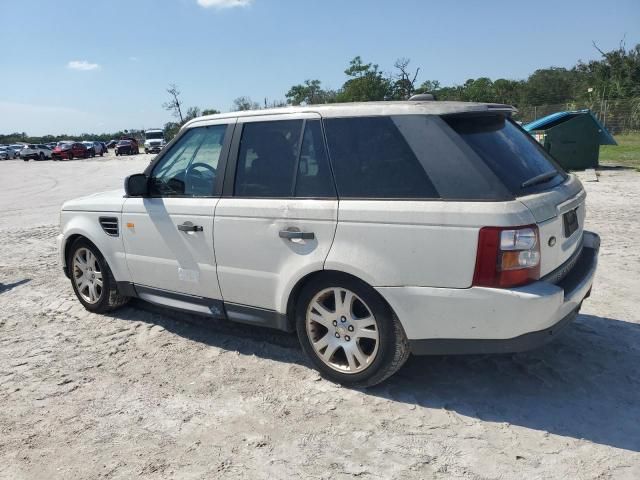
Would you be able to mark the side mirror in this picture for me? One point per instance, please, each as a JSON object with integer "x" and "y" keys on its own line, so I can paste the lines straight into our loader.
{"x": 136, "y": 185}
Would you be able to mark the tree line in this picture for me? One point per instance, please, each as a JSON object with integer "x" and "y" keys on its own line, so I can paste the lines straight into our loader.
{"x": 613, "y": 76}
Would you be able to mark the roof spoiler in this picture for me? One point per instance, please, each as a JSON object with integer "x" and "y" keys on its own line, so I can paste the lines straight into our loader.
{"x": 423, "y": 97}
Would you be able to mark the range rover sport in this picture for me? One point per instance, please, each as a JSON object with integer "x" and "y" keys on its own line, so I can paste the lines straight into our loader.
{"x": 373, "y": 230}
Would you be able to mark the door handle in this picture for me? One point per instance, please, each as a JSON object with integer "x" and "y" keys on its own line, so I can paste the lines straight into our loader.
{"x": 294, "y": 235}
{"x": 188, "y": 227}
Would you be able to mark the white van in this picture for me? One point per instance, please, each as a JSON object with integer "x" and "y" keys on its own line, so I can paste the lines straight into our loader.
{"x": 374, "y": 230}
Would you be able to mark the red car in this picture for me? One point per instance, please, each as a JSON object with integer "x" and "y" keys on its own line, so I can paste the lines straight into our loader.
{"x": 69, "y": 150}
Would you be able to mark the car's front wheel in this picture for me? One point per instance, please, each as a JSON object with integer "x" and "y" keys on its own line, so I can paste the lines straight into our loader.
{"x": 349, "y": 332}
{"x": 91, "y": 278}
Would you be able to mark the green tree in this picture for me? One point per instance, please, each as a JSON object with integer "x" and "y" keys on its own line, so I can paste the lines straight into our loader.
{"x": 367, "y": 83}
{"x": 210, "y": 111}
{"x": 308, "y": 93}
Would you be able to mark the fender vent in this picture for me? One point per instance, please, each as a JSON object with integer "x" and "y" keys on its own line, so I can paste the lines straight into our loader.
{"x": 109, "y": 225}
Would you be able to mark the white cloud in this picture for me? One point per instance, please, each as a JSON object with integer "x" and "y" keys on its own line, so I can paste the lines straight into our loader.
{"x": 224, "y": 3}
{"x": 82, "y": 65}
{"x": 134, "y": 59}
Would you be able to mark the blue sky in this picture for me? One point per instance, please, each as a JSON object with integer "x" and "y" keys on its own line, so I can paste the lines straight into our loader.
{"x": 73, "y": 66}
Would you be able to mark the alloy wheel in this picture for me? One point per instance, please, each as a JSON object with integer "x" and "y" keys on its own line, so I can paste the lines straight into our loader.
{"x": 342, "y": 330}
{"x": 87, "y": 275}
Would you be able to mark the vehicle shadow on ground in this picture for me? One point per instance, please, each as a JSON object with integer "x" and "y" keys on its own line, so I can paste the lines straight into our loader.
{"x": 5, "y": 287}
{"x": 585, "y": 384}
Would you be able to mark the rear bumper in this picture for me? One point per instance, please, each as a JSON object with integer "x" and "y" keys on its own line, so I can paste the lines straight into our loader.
{"x": 489, "y": 320}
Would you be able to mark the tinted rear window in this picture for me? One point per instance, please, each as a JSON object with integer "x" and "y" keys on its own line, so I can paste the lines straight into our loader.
{"x": 407, "y": 156}
{"x": 508, "y": 151}
{"x": 372, "y": 159}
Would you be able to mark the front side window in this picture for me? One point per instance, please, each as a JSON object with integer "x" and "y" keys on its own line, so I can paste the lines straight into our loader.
{"x": 190, "y": 168}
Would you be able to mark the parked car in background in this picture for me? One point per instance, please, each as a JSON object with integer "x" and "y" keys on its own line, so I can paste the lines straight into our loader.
{"x": 127, "y": 146}
{"x": 99, "y": 148}
{"x": 16, "y": 148}
{"x": 104, "y": 147}
{"x": 6, "y": 153}
{"x": 35, "y": 152}
{"x": 69, "y": 151}
{"x": 91, "y": 148}
{"x": 345, "y": 225}
{"x": 112, "y": 143}
{"x": 52, "y": 145}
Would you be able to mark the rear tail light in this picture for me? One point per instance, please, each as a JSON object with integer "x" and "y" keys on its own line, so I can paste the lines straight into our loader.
{"x": 507, "y": 256}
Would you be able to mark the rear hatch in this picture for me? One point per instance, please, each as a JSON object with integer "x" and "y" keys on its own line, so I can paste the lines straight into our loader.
{"x": 555, "y": 199}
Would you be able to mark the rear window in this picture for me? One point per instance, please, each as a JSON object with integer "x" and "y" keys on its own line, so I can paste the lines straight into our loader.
{"x": 372, "y": 159}
{"x": 515, "y": 158}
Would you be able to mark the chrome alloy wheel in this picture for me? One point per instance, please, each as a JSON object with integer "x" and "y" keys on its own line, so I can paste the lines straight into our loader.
{"x": 87, "y": 275}
{"x": 342, "y": 330}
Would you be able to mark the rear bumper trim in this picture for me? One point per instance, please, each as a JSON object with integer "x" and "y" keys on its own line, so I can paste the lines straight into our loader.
{"x": 522, "y": 343}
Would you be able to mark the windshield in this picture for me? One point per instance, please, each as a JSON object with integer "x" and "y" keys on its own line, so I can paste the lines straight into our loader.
{"x": 124, "y": 142}
{"x": 154, "y": 135}
{"x": 515, "y": 158}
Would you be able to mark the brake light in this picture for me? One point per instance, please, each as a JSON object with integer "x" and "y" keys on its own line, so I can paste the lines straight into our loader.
{"x": 507, "y": 256}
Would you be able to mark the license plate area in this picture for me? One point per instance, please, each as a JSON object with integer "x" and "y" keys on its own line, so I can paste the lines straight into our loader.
{"x": 570, "y": 221}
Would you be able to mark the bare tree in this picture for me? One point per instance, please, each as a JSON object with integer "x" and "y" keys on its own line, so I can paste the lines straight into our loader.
{"x": 244, "y": 103}
{"x": 405, "y": 80}
{"x": 174, "y": 105}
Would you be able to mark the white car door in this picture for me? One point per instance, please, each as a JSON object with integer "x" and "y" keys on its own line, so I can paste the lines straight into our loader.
{"x": 277, "y": 218}
{"x": 168, "y": 235}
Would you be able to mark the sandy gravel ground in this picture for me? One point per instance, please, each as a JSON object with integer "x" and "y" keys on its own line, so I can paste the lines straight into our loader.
{"x": 153, "y": 394}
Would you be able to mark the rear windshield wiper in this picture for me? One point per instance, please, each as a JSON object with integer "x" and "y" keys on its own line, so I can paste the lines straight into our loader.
{"x": 543, "y": 177}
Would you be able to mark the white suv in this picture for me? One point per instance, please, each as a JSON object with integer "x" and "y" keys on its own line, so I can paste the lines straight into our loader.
{"x": 373, "y": 230}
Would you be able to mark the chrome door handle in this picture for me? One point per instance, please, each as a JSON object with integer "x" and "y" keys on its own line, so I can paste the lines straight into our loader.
{"x": 188, "y": 227}
{"x": 294, "y": 235}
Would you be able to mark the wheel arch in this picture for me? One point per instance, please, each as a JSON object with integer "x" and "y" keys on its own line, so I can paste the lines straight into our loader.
{"x": 300, "y": 284}
{"x": 111, "y": 248}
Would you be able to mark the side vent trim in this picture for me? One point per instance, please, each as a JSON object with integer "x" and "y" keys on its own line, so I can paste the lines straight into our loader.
{"x": 109, "y": 225}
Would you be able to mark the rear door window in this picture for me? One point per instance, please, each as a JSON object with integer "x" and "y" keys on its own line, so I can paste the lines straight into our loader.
{"x": 515, "y": 158}
{"x": 283, "y": 159}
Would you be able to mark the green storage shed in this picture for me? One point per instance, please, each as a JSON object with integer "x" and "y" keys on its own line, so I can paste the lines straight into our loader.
{"x": 572, "y": 138}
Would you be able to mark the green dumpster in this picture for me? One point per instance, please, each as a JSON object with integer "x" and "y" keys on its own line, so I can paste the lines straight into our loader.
{"x": 573, "y": 138}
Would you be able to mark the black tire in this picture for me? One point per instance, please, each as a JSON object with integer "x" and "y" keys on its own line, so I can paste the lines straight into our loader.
{"x": 70, "y": 155}
{"x": 26, "y": 159}
{"x": 41, "y": 156}
{"x": 109, "y": 298}
{"x": 393, "y": 348}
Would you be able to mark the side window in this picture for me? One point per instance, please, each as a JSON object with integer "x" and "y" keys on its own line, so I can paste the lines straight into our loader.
{"x": 314, "y": 174}
{"x": 267, "y": 159}
{"x": 372, "y": 159}
{"x": 190, "y": 167}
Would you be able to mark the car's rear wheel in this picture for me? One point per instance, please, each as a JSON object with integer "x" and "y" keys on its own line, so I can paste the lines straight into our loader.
{"x": 41, "y": 156}
{"x": 349, "y": 332}
{"x": 91, "y": 278}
